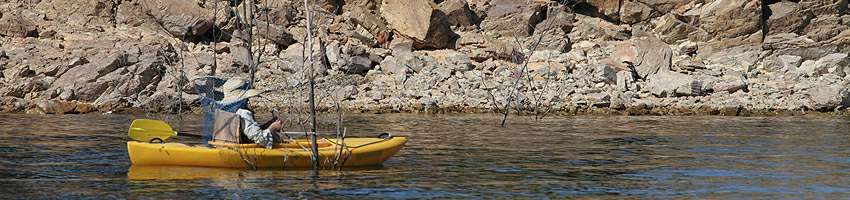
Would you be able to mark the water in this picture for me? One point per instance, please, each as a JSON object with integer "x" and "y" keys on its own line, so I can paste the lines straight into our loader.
{"x": 462, "y": 156}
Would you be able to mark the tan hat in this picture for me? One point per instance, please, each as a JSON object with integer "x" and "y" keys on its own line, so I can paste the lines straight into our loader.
{"x": 233, "y": 90}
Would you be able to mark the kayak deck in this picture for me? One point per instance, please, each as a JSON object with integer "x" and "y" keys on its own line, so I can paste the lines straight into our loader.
{"x": 358, "y": 152}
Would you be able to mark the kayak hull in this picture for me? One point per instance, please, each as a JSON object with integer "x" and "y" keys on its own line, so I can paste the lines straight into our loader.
{"x": 359, "y": 152}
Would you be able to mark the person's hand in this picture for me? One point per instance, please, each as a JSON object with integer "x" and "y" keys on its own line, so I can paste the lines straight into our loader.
{"x": 276, "y": 126}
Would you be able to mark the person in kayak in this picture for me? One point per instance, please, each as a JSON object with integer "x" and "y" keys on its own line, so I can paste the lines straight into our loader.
{"x": 234, "y": 99}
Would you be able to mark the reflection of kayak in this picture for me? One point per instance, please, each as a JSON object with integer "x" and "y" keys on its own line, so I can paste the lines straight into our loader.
{"x": 180, "y": 172}
{"x": 358, "y": 152}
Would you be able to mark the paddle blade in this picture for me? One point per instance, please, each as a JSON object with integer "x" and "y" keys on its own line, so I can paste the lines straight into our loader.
{"x": 147, "y": 130}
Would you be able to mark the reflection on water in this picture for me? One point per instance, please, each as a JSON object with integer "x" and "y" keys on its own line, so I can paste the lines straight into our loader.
{"x": 462, "y": 156}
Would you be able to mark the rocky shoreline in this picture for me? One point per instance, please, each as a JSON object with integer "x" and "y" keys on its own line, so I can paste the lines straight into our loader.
{"x": 611, "y": 57}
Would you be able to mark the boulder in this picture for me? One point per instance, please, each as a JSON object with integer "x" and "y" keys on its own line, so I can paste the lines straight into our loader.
{"x": 626, "y": 81}
{"x": 181, "y": 18}
{"x": 458, "y": 13}
{"x": 689, "y": 64}
{"x": 827, "y": 97}
{"x": 672, "y": 84}
{"x": 836, "y": 63}
{"x": 730, "y": 84}
{"x": 357, "y": 65}
{"x": 89, "y": 72}
{"x": 451, "y": 59}
{"x": 390, "y": 65}
{"x": 633, "y": 12}
{"x": 419, "y": 20}
{"x": 782, "y": 63}
{"x": 512, "y": 18}
{"x": 652, "y": 55}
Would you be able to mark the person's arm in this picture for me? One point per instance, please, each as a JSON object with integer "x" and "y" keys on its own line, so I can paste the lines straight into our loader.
{"x": 252, "y": 129}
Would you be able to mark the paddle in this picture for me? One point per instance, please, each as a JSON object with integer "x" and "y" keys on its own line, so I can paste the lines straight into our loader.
{"x": 148, "y": 130}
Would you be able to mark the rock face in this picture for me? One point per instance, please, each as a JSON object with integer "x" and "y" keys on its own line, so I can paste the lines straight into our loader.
{"x": 727, "y": 57}
{"x": 419, "y": 20}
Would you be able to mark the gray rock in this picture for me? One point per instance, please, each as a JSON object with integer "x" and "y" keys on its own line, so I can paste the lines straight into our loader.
{"x": 730, "y": 83}
{"x": 688, "y": 48}
{"x": 672, "y": 84}
{"x": 604, "y": 74}
{"x": 783, "y": 63}
{"x": 332, "y": 51}
{"x": 827, "y": 97}
{"x": 67, "y": 94}
{"x": 390, "y": 66}
{"x": 357, "y": 65}
{"x": 836, "y": 63}
{"x": 91, "y": 71}
{"x": 626, "y": 81}
{"x": 600, "y": 99}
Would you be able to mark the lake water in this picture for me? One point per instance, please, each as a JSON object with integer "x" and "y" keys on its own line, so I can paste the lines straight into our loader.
{"x": 461, "y": 156}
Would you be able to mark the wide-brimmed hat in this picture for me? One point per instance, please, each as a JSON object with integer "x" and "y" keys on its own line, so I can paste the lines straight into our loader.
{"x": 234, "y": 90}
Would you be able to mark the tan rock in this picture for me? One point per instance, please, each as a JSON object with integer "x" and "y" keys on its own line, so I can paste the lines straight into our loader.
{"x": 731, "y": 18}
{"x": 785, "y": 17}
{"x": 181, "y": 18}
{"x": 633, "y": 12}
{"x": 512, "y": 18}
{"x": 825, "y": 27}
{"x": 653, "y": 55}
{"x": 419, "y": 20}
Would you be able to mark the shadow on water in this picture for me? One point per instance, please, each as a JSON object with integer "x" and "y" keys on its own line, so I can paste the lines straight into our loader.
{"x": 460, "y": 156}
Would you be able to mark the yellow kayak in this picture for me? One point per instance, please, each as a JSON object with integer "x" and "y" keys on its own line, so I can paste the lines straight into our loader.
{"x": 358, "y": 152}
